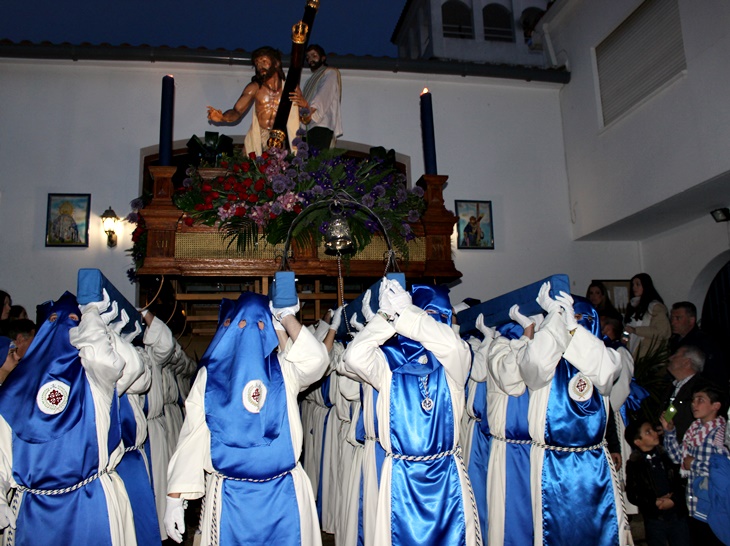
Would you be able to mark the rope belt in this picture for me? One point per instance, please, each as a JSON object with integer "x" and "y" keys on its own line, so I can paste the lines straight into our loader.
{"x": 134, "y": 448}
{"x": 65, "y": 489}
{"x": 419, "y": 458}
{"x": 549, "y": 447}
{"x": 252, "y": 480}
{"x": 372, "y": 438}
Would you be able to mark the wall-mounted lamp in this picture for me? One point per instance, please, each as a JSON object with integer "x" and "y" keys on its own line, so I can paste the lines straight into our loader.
{"x": 721, "y": 215}
{"x": 109, "y": 219}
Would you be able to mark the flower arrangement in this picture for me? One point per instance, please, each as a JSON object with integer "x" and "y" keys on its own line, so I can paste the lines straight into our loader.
{"x": 139, "y": 235}
{"x": 262, "y": 196}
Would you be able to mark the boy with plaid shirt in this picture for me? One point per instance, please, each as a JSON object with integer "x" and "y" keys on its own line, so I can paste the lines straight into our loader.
{"x": 705, "y": 436}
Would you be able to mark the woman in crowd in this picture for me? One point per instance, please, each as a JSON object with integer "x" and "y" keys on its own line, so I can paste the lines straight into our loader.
{"x": 646, "y": 318}
{"x": 6, "y": 302}
{"x": 597, "y": 294}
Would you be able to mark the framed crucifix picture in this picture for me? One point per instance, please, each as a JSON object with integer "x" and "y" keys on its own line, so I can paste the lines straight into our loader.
{"x": 474, "y": 225}
{"x": 67, "y": 219}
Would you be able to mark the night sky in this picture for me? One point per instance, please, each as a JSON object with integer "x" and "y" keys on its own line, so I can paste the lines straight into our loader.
{"x": 341, "y": 26}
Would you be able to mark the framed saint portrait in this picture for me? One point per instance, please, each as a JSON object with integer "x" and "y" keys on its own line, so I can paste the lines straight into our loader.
{"x": 67, "y": 219}
{"x": 474, "y": 225}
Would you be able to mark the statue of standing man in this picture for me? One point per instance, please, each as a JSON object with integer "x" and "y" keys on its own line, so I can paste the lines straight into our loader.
{"x": 264, "y": 92}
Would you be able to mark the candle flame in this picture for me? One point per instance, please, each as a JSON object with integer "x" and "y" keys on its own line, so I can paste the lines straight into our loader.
{"x": 425, "y": 90}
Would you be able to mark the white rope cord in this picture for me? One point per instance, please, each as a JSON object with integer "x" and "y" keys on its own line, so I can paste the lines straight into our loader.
{"x": 65, "y": 489}
{"x": 253, "y": 480}
{"x": 477, "y": 527}
{"x": 134, "y": 448}
{"x": 421, "y": 458}
{"x": 549, "y": 447}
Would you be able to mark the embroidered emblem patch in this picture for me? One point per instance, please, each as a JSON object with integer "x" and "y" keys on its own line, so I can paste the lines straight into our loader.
{"x": 52, "y": 398}
{"x": 254, "y": 396}
{"x": 423, "y": 359}
{"x": 580, "y": 388}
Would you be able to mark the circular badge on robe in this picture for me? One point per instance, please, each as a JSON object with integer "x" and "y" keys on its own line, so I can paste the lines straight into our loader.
{"x": 52, "y": 398}
{"x": 254, "y": 395}
{"x": 580, "y": 388}
{"x": 423, "y": 359}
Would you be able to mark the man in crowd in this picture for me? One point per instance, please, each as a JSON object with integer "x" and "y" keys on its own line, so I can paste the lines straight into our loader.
{"x": 264, "y": 92}
{"x": 683, "y": 319}
{"x": 320, "y": 101}
{"x": 685, "y": 366}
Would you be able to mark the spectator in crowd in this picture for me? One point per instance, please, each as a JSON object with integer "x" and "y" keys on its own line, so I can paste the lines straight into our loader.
{"x": 683, "y": 319}
{"x": 21, "y": 332}
{"x": 704, "y": 437}
{"x": 6, "y": 302}
{"x": 646, "y": 318}
{"x": 685, "y": 366}
{"x": 597, "y": 294}
{"x": 17, "y": 312}
{"x": 654, "y": 485}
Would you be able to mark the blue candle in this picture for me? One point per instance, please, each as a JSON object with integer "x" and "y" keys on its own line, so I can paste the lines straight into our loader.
{"x": 166, "y": 113}
{"x": 427, "y": 133}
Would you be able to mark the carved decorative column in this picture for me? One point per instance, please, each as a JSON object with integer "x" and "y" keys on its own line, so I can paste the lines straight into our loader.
{"x": 161, "y": 218}
{"x": 438, "y": 226}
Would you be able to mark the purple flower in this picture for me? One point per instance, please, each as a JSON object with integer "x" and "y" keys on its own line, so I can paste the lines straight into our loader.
{"x": 401, "y": 195}
{"x": 301, "y": 132}
{"x": 323, "y": 227}
{"x": 187, "y": 182}
{"x": 297, "y": 141}
{"x": 279, "y": 183}
{"x": 132, "y": 217}
{"x": 317, "y": 190}
{"x": 413, "y": 215}
{"x": 368, "y": 201}
{"x": 417, "y": 191}
{"x": 372, "y": 226}
{"x": 405, "y": 229}
{"x": 189, "y": 171}
{"x": 276, "y": 208}
{"x": 378, "y": 191}
{"x": 137, "y": 203}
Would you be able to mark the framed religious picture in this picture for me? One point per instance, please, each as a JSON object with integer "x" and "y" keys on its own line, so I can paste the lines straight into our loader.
{"x": 67, "y": 219}
{"x": 619, "y": 292}
{"x": 474, "y": 225}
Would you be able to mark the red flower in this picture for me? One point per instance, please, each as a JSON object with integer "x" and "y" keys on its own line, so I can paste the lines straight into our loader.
{"x": 240, "y": 211}
{"x": 219, "y": 179}
{"x": 199, "y": 206}
{"x": 224, "y": 164}
{"x": 226, "y": 206}
{"x": 269, "y": 192}
{"x": 247, "y": 182}
{"x": 231, "y": 179}
{"x": 272, "y": 215}
{"x": 297, "y": 208}
{"x": 227, "y": 186}
{"x": 253, "y": 198}
{"x": 236, "y": 167}
{"x": 265, "y": 155}
{"x": 215, "y": 195}
{"x": 208, "y": 199}
{"x": 242, "y": 195}
{"x": 209, "y": 206}
{"x": 232, "y": 197}
{"x": 206, "y": 187}
{"x": 245, "y": 167}
{"x": 259, "y": 184}
{"x": 252, "y": 155}
{"x": 188, "y": 221}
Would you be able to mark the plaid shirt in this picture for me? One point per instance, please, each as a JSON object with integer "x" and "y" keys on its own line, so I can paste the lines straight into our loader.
{"x": 700, "y": 464}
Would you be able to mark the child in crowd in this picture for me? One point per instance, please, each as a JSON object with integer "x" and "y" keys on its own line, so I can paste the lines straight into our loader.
{"x": 654, "y": 485}
{"x": 705, "y": 436}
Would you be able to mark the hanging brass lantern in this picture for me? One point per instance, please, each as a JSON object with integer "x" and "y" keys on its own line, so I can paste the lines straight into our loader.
{"x": 337, "y": 239}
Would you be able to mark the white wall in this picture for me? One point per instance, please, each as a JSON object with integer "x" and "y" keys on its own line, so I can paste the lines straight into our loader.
{"x": 79, "y": 127}
{"x": 673, "y": 142}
